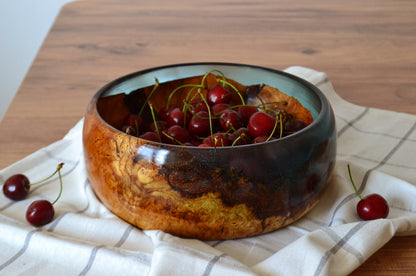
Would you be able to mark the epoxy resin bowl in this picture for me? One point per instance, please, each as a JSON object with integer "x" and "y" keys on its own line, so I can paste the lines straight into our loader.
{"x": 209, "y": 193}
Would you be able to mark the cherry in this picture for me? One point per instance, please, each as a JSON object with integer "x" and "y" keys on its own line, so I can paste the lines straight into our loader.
{"x": 16, "y": 187}
{"x": 202, "y": 145}
{"x": 176, "y": 117}
{"x": 164, "y": 113}
{"x": 261, "y": 123}
{"x": 371, "y": 207}
{"x": 150, "y": 136}
{"x": 199, "y": 124}
{"x": 230, "y": 119}
{"x": 178, "y": 135}
{"x": 197, "y": 105}
{"x": 217, "y": 109}
{"x": 216, "y": 140}
{"x": 262, "y": 139}
{"x": 132, "y": 124}
{"x": 292, "y": 126}
{"x": 246, "y": 112}
{"x": 218, "y": 94}
{"x": 133, "y": 120}
{"x": 158, "y": 127}
{"x": 41, "y": 212}
{"x": 240, "y": 137}
{"x": 130, "y": 130}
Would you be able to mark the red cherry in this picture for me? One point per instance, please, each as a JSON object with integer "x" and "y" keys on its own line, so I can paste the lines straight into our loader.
{"x": 202, "y": 145}
{"x": 216, "y": 140}
{"x": 16, "y": 187}
{"x": 199, "y": 124}
{"x": 373, "y": 206}
{"x": 218, "y": 94}
{"x": 230, "y": 119}
{"x": 261, "y": 123}
{"x": 197, "y": 105}
{"x": 150, "y": 136}
{"x": 164, "y": 113}
{"x": 246, "y": 112}
{"x": 293, "y": 126}
{"x": 262, "y": 139}
{"x": 40, "y": 212}
{"x": 240, "y": 137}
{"x": 217, "y": 109}
{"x": 133, "y": 120}
{"x": 158, "y": 127}
{"x": 130, "y": 130}
{"x": 176, "y": 117}
{"x": 178, "y": 135}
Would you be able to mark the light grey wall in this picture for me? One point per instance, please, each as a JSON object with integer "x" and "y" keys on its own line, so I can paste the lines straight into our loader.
{"x": 24, "y": 25}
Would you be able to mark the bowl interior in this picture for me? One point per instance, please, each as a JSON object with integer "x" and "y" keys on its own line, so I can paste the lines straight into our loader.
{"x": 308, "y": 95}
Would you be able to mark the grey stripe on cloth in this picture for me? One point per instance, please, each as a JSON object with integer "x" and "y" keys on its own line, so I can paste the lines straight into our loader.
{"x": 55, "y": 222}
{"x": 336, "y": 238}
{"x": 200, "y": 254}
{"x": 257, "y": 245}
{"x": 4, "y": 207}
{"x": 216, "y": 243}
{"x": 125, "y": 236}
{"x": 387, "y": 157}
{"x": 376, "y": 161}
{"x": 341, "y": 244}
{"x": 21, "y": 251}
{"x": 381, "y": 163}
{"x": 211, "y": 264}
{"x": 120, "y": 242}
{"x": 91, "y": 260}
{"x": 351, "y": 123}
{"x": 373, "y": 132}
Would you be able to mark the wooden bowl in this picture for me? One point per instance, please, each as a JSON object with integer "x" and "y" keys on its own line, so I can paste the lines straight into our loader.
{"x": 208, "y": 193}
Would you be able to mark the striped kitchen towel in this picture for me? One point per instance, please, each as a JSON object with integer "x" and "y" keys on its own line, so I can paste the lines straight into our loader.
{"x": 85, "y": 238}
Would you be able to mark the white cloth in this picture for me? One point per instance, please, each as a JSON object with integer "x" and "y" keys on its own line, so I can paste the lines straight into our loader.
{"x": 86, "y": 239}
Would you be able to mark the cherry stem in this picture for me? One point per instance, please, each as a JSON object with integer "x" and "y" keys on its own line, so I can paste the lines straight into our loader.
{"x": 149, "y": 96}
{"x": 352, "y": 182}
{"x": 152, "y": 111}
{"x": 178, "y": 88}
{"x": 186, "y": 105}
{"x": 236, "y": 140}
{"x": 235, "y": 89}
{"x": 275, "y": 125}
{"x": 261, "y": 101}
{"x": 60, "y": 183}
{"x": 171, "y": 138}
{"x": 281, "y": 125}
{"x": 209, "y": 113}
{"x": 58, "y": 168}
{"x": 209, "y": 72}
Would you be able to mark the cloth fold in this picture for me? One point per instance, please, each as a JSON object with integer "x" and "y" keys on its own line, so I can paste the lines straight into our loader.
{"x": 85, "y": 238}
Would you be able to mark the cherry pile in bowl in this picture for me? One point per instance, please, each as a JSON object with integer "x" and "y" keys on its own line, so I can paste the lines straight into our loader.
{"x": 210, "y": 120}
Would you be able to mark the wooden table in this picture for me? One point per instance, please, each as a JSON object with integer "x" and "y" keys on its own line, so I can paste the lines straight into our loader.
{"x": 367, "y": 48}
